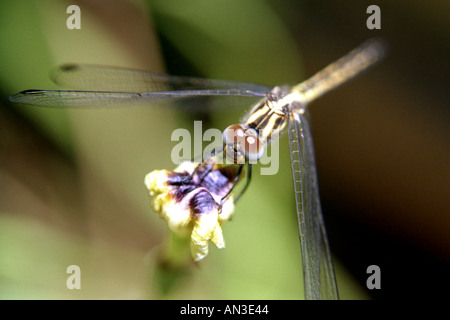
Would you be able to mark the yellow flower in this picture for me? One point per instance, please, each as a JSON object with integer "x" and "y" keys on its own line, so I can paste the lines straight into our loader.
{"x": 189, "y": 199}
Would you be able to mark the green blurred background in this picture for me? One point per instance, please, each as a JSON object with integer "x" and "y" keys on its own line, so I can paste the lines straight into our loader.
{"x": 71, "y": 181}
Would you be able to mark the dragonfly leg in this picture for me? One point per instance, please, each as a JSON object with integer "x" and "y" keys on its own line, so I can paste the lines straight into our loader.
{"x": 247, "y": 183}
{"x": 204, "y": 164}
{"x": 236, "y": 180}
{"x": 208, "y": 168}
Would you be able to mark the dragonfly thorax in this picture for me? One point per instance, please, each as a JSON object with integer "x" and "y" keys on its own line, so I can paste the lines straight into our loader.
{"x": 245, "y": 142}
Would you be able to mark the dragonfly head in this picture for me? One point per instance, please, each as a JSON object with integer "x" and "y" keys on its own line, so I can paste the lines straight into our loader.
{"x": 242, "y": 144}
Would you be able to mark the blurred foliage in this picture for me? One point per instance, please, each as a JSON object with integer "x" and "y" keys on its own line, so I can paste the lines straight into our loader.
{"x": 106, "y": 140}
{"x": 72, "y": 180}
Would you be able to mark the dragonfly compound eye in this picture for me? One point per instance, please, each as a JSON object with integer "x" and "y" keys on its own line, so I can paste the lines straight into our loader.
{"x": 233, "y": 143}
{"x": 253, "y": 147}
{"x": 242, "y": 144}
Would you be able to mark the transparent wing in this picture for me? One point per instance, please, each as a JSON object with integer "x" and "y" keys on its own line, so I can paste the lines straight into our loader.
{"x": 318, "y": 271}
{"x": 83, "y": 99}
{"x": 107, "y": 78}
{"x": 108, "y": 86}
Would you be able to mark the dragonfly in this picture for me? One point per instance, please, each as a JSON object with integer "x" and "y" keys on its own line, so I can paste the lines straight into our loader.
{"x": 276, "y": 109}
